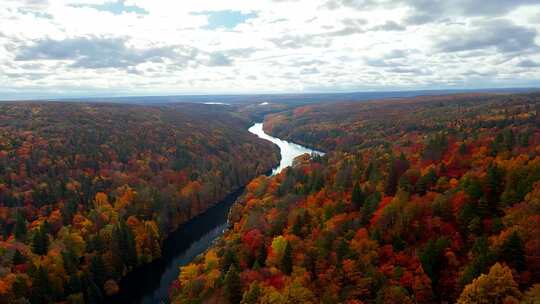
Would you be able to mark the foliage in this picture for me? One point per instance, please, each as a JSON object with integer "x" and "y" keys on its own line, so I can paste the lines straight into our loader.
{"x": 88, "y": 192}
{"x": 497, "y": 287}
{"x": 419, "y": 200}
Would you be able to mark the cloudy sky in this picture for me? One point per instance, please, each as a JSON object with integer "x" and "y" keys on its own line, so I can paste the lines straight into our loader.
{"x": 62, "y": 48}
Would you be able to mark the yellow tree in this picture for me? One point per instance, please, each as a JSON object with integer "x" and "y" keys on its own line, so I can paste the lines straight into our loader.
{"x": 498, "y": 286}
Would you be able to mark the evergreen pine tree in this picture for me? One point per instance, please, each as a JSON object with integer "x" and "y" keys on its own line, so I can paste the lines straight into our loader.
{"x": 131, "y": 247}
{"x": 18, "y": 258}
{"x": 229, "y": 259}
{"x": 357, "y": 196}
{"x": 392, "y": 181}
{"x": 93, "y": 293}
{"x": 40, "y": 242}
{"x": 70, "y": 260}
{"x": 261, "y": 257}
{"x": 20, "y": 227}
{"x": 98, "y": 269}
{"x": 74, "y": 285}
{"x": 297, "y": 226}
{"x": 287, "y": 260}
{"x": 232, "y": 286}
{"x": 124, "y": 246}
{"x": 494, "y": 185}
{"x": 41, "y": 290}
{"x": 252, "y": 295}
{"x": 512, "y": 251}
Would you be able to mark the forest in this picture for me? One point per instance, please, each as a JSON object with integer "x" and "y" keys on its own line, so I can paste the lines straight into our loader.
{"x": 421, "y": 200}
{"x": 89, "y": 191}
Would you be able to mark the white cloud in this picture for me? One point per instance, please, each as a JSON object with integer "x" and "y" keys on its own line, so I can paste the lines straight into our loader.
{"x": 110, "y": 47}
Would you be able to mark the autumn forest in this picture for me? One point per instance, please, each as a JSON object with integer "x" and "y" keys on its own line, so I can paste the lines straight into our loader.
{"x": 88, "y": 192}
{"x": 431, "y": 199}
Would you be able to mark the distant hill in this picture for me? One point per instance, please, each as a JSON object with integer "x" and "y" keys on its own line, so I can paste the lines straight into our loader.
{"x": 289, "y": 98}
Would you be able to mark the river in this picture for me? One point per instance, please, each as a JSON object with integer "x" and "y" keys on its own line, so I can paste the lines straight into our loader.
{"x": 149, "y": 284}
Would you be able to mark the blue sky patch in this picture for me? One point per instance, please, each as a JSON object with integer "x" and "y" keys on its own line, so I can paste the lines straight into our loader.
{"x": 227, "y": 19}
{"x": 118, "y": 8}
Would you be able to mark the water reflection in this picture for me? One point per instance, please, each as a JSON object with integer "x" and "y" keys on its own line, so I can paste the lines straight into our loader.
{"x": 289, "y": 151}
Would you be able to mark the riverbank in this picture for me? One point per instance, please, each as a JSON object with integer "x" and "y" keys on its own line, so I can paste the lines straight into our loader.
{"x": 150, "y": 283}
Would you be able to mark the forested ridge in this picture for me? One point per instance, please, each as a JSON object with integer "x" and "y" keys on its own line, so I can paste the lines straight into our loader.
{"x": 89, "y": 191}
{"x": 421, "y": 200}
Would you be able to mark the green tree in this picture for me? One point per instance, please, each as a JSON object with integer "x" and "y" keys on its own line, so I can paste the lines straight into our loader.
{"x": 483, "y": 257}
{"x": 41, "y": 290}
{"x": 20, "y": 227}
{"x": 98, "y": 269}
{"x": 252, "y": 295}
{"x": 512, "y": 251}
{"x": 287, "y": 260}
{"x": 357, "y": 197}
{"x": 124, "y": 243}
{"x": 93, "y": 293}
{"x": 494, "y": 185}
{"x": 229, "y": 259}
{"x": 391, "y": 181}
{"x": 40, "y": 242}
{"x": 432, "y": 258}
{"x": 232, "y": 286}
{"x": 20, "y": 287}
{"x": 74, "y": 284}
{"x": 18, "y": 258}
{"x": 426, "y": 181}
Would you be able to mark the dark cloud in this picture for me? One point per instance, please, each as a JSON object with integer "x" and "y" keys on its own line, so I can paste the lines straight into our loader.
{"x": 398, "y": 54}
{"x": 492, "y": 7}
{"x": 350, "y": 27}
{"x": 354, "y": 22}
{"x": 468, "y": 7}
{"x": 356, "y": 4}
{"x": 388, "y": 26}
{"x": 377, "y": 62}
{"x": 28, "y": 76}
{"x": 527, "y": 63}
{"x": 300, "y": 41}
{"x": 100, "y": 52}
{"x": 425, "y": 11}
{"x": 419, "y": 19}
{"x": 389, "y": 59}
{"x": 219, "y": 59}
{"x": 346, "y": 31}
{"x": 37, "y": 8}
{"x": 500, "y": 34}
{"x": 31, "y": 4}
{"x": 227, "y": 57}
{"x": 409, "y": 70}
{"x": 241, "y": 52}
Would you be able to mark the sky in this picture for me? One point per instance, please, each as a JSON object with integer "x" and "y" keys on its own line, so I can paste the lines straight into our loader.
{"x": 68, "y": 48}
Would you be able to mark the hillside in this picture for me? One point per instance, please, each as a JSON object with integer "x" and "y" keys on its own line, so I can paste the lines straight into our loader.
{"x": 89, "y": 191}
{"x": 423, "y": 200}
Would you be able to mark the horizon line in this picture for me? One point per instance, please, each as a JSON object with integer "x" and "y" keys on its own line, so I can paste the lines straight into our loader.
{"x": 241, "y": 94}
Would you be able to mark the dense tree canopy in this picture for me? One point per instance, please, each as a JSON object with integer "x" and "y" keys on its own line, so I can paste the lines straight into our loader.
{"x": 418, "y": 201}
{"x": 89, "y": 191}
